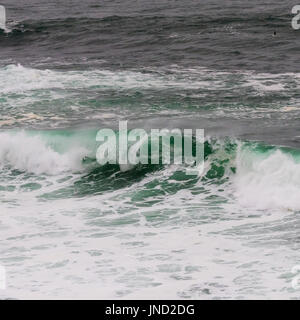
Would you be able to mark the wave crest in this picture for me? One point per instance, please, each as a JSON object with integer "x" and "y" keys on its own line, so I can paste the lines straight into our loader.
{"x": 32, "y": 154}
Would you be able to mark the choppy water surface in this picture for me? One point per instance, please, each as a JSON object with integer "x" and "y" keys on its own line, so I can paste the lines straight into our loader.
{"x": 71, "y": 228}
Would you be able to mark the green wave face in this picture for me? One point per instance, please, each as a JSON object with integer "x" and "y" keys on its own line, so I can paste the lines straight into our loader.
{"x": 62, "y": 164}
{"x": 72, "y": 228}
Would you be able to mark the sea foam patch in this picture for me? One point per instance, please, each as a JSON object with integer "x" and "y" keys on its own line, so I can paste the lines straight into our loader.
{"x": 31, "y": 153}
{"x": 268, "y": 181}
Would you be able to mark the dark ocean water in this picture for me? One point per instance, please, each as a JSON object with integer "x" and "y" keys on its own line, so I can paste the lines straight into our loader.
{"x": 136, "y": 34}
{"x": 71, "y": 228}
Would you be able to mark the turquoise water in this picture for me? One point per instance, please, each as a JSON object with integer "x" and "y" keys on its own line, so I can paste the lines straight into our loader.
{"x": 71, "y": 228}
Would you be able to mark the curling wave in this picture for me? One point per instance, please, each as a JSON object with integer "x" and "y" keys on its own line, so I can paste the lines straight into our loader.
{"x": 252, "y": 174}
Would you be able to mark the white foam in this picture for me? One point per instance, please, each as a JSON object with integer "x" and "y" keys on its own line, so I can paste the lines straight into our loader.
{"x": 76, "y": 248}
{"x": 268, "y": 182}
{"x": 31, "y": 154}
{"x": 17, "y": 78}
